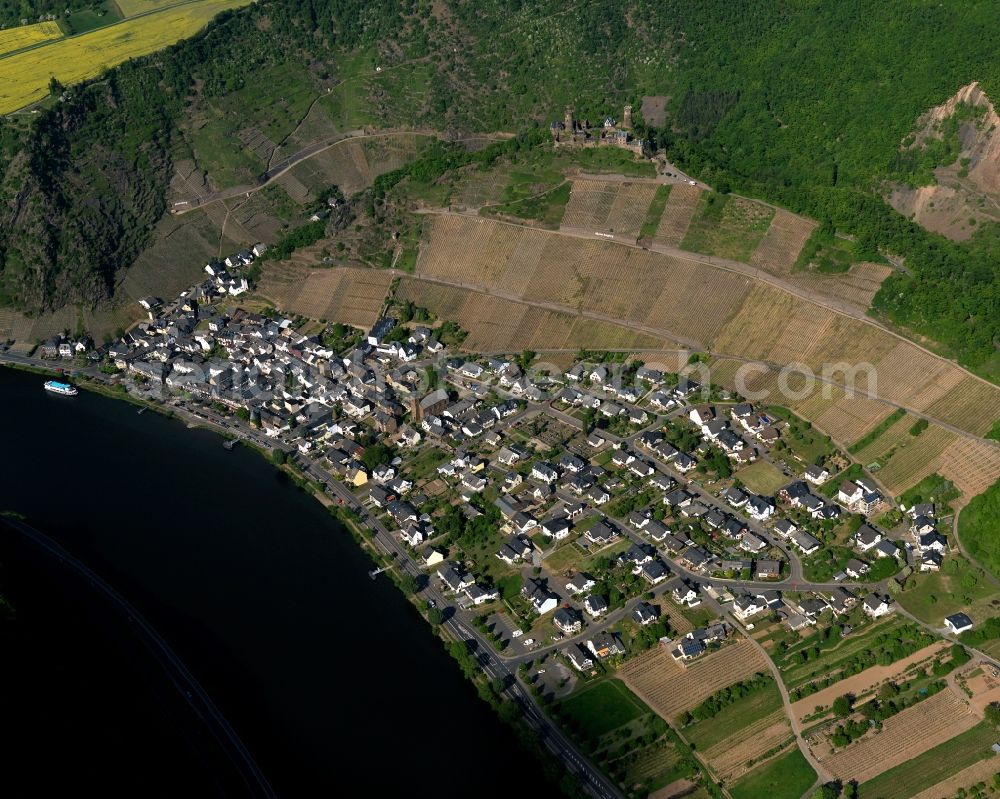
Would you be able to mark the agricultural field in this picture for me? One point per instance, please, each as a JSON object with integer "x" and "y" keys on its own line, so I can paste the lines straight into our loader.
{"x": 782, "y": 243}
{"x": 671, "y": 689}
{"x": 864, "y": 682}
{"x": 677, "y": 215}
{"x": 850, "y": 418}
{"x": 933, "y": 766}
{"x": 613, "y": 207}
{"x": 15, "y": 325}
{"x": 727, "y": 226}
{"x": 655, "y": 212}
{"x": 351, "y": 295}
{"x": 28, "y": 330}
{"x": 981, "y": 771}
{"x": 844, "y": 418}
{"x": 973, "y": 466}
{"x": 834, "y": 654}
{"x": 473, "y": 188}
{"x": 26, "y": 75}
{"x": 158, "y": 270}
{"x": 129, "y": 8}
{"x": 788, "y": 776}
{"x": 904, "y": 736}
{"x": 545, "y": 209}
{"x": 13, "y": 39}
{"x": 762, "y": 477}
{"x": 622, "y": 735}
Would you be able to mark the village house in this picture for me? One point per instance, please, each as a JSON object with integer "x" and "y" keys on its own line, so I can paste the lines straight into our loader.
{"x": 568, "y": 620}
{"x": 876, "y": 606}
{"x": 595, "y": 605}
{"x": 579, "y": 657}
{"x": 644, "y": 614}
{"x": 958, "y": 623}
{"x": 538, "y": 595}
{"x": 605, "y": 645}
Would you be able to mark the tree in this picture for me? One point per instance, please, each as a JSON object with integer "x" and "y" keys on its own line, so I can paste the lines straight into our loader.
{"x": 829, "y": 790}
{"x": 992, "y": 713}
{"x": 279, "y": 456}
{"x": 842, "y": 705}
{"x": 408, "y": 583}
{"x": 376, "y": 454}
{"x": 435, "y": 616}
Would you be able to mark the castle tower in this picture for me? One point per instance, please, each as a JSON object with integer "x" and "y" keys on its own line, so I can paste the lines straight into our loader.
{"x": 568, "y": 120}
{"x": 627, "y": 119}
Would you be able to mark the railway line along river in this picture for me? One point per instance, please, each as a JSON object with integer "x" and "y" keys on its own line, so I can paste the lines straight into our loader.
{"x": 329, "y": 678}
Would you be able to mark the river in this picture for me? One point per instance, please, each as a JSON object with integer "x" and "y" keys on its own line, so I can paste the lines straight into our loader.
{"x": 330, "y": 678}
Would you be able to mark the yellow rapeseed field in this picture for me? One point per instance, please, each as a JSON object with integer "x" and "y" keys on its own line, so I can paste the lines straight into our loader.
{"x": 18, "y": 38}
{"x": 24, "y": 78}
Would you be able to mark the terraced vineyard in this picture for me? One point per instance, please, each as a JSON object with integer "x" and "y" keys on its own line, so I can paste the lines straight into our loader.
{"x": 858, "y": 285}
{"x": 671, "y": 689}
{"x": 729, "y": 758}
{"x": 677, "y": 215}
{"x": 934, "y": 766}
{"x": 898, "y": 434}
{"x": 349, "y": 295}
{"x": 691, "y": 303}
{"x": 903, "y": 736}
{"x": 614, "y": 207}
{"x": 775, "y": 327}
{"x": 782, "y": 243}
{"x": 644, "y": 288}
{"x": 495, "y": 324}
{"x": 920, "y": 458}
{"x": 972, "y": 466}
{"x": 970, "y": 402}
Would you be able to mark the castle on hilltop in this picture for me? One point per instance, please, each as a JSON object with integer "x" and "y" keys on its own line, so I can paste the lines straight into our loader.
{"x": 610, "y": 134}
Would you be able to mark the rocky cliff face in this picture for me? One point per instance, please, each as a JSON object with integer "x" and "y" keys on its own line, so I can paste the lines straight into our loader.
{"x": 78, "y": 205}
{"x": 957, "y": 148}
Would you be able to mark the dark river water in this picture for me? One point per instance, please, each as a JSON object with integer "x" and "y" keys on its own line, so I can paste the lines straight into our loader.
{"x": 330, "y": 678}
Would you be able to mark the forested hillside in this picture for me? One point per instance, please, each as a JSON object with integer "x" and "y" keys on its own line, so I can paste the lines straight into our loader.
{"x": 17, "y": 12}
{"x": 802, "y": 103}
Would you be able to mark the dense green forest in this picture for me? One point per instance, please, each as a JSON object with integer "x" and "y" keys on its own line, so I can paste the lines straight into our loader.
{"x": 19, "y": 12}
{"x": 804, "y": 103}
